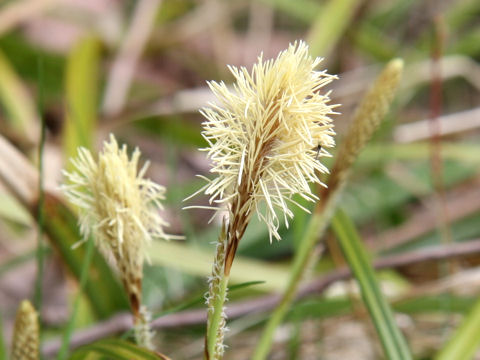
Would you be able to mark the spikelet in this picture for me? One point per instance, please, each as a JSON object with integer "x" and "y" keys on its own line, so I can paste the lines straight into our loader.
{"x": 367, "y": 119}
{"x": 26, "y": 333}
{"x": 263, "y": 139}
{"x": 120, "y": 209}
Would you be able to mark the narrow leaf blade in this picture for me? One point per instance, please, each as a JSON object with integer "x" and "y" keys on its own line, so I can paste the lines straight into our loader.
{"x": 390, "y": 336}
{"x": 82, "y": 95}
{"x": 464, "y": 342}
{"x": 330, "y": 24}
{"x": 17, "y": 102}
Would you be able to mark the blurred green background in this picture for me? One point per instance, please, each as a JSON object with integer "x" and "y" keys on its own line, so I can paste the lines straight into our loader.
{"x": 138, "y": 69}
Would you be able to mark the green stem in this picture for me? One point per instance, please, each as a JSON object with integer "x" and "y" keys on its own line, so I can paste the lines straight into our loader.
{"x": 215, "y": 319}
{"x": 142, "y": 329}
{"x": 38, "y": 296}
{"x": 302, "y": 259}
{"x": 464, "y": 341}
{"x": 3, "y": 347}
{"x": 83, "y": 280}
{"x": 217, "y": 295}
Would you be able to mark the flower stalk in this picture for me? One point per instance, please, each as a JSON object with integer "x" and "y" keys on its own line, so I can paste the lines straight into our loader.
{"x": 265, "y": 139}
{"x": 215, "y": 300}
{"x": 120, "y": 208}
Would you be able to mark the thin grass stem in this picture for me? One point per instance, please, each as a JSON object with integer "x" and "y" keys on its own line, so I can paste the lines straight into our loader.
{"x": 63, "y": 352}
{"x": 41, "y": 196}
{"x": 216, "y": 298}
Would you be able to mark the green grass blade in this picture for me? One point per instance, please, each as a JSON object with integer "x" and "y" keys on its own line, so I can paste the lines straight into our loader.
{"x": 23, "y": 56}
{"x": 3, "y": 347}
{"x": 115, "y": 349}
{"x": 391, "y": 338}
{"x": 374, "y": 42}
{"x": 464, "y": 342}
{"x": 317, "y": 225}
{"x": 329, "y": 26}
{"x": 82, "y": 95}
{"x": 67, "y": 333}
{"x": 17, "y": 102}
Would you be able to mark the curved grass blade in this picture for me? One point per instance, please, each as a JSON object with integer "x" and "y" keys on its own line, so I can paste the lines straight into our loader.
{"x": 18, "y": 104}
{"x": 81, "y": 84}
{"x": 464, "y": 342}
{"x": 392, "y": 340}
{"x": 67, "y": 333}
{"x": 3, "y": 348}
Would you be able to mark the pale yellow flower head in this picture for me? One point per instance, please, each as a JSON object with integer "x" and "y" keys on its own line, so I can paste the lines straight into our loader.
{"x": 117, "y": 204}
{"x": 264, "y": 135}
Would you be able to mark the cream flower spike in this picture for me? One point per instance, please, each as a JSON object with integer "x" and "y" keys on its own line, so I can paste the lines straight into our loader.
{"x": 119, "y": 207}
{"x": 266, "y": 137}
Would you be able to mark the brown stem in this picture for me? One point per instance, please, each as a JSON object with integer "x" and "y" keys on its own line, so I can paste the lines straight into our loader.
{"x": 240, "y": 210}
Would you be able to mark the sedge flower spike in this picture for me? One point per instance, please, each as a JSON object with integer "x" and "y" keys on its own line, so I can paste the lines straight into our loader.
{"x": 119, "y": 207}
{"x": 25, "y": 340}
{"x": 266, "y": 137}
